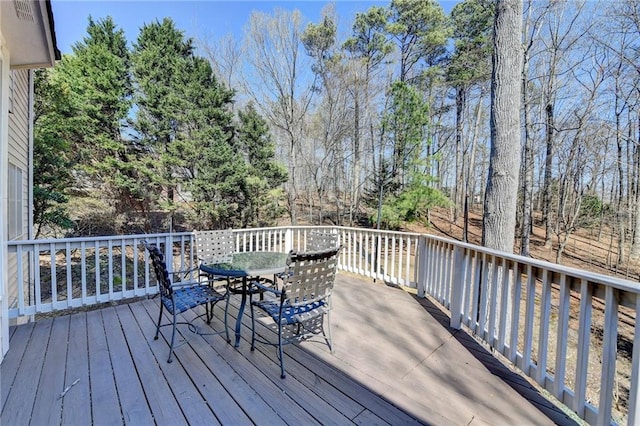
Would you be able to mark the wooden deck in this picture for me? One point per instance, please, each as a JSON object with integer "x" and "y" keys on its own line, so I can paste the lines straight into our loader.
{"x": 395, "y": 362}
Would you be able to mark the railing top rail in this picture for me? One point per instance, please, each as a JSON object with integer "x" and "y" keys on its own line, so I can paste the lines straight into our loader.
{"x": 618, "y": 283}
{"x": 97, "y": 238}
{"x": 348, "y": 228}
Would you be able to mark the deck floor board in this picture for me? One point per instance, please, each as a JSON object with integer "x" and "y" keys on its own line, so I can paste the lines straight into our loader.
{"x": 103, "y": 391}
{"x": 196, "y": 364}
{"x": 192, "y": 402}
{"x": 75, "y": 410}
{"x": 164, "y": 408}
{"x": 19, "y": 405}
{"x": 134, "y": 405}
{"x": 12, "y": 359}
{"x": 47, "y": 406}
{"x": 396, "y": 361}
{"x": 261, "y": 381}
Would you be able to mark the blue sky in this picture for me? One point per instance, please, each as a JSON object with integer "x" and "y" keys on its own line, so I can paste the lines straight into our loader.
{"x": 198, "y": 19}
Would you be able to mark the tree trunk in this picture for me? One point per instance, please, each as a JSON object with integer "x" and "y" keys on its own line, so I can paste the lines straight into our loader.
{"x": 635, "y": 248}
{"x": 470, "y": 182}
{"x": 527, "y": 167}
{"x": 292, "y": 192}
{"x": 504, "y": 165}
{"x": 527, "y": 181}
{"x": 459, "y": 186}
{"x": 355, "y": 181}
{"x": 620, "y": 204}
{"x": 546, "y": 192}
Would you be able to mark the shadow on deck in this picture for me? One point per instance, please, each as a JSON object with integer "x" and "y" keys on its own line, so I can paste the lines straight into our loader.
{"x": 396, "y": 361}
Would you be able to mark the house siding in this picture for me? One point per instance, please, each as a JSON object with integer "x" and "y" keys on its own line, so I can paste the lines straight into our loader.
{"x": 24, "y": 45}
{"x": 19, "y": 156}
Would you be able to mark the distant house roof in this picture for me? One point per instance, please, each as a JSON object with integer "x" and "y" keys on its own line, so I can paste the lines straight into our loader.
{"x": 29, "y": 32}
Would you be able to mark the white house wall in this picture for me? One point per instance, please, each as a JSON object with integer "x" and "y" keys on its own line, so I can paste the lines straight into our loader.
{"x": 27, "y": 31}
{"x": 4, "y": 165}
{"x": 19, "y": 156}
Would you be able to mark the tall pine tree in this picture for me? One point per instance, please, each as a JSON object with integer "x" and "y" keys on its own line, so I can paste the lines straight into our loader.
{"x": 265, "y": 175}
{"x": 54, "y": 124}
{"x": 184, "y": 124}
{"x": 97, "y": 76}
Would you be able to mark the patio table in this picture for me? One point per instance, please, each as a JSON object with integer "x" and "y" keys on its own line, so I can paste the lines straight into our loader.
{"x": 244, "y": 265}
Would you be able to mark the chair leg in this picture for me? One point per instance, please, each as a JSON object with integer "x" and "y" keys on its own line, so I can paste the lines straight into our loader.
{"x": 226, "y": 330}
{"x": 209, "y": 312}
{"x": 280, "y": 351}
{"x": 173, "y": 336}
{"x": 328, "y": 338}
{"x": 253, "y": 323}
{"x": 159, "y": 319}
{"x": 226, "y": 314}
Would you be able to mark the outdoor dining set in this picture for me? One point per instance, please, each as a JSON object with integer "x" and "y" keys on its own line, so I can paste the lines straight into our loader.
{"x": 291, "y": 290}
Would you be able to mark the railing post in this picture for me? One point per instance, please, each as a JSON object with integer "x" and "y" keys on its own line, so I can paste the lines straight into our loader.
{"x": 288, "y": 240}
{"x": 609, "y": 352}
{"x": 168, "y": 252}
{"x": 634, "y": 391}
{"x": 457, "y": 288}
{"x": 421, "y": 273}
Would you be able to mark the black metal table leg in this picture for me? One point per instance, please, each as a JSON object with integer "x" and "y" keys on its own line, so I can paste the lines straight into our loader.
{"x": 243, "y": 302}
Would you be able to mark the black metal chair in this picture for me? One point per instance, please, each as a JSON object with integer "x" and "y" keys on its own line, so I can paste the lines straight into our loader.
{"x": 184, "y": 295}
{"x": 299, "y": 307}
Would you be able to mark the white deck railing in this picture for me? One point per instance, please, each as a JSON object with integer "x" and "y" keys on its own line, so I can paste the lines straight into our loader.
{"x": 562, "y": 327}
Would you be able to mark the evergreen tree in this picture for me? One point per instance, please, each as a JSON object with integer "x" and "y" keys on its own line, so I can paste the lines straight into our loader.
{"x": 404, "y": 186}
{"x": 265, "y": 175}
{"x": 97, "y": 76}
{"x": 469, "y": 66}
{"x": 421, "y": 30}
{"x": 368, "y": 41}
{"x": 405, "y": 118}
{"x": 472, "y": 26}
{"x": 205, "y": 142}
{"x": 55, "y": 120}
{"x": 366, "y": 49}
{"x": 184, "y": 125}
{"x": 159, "y": 62}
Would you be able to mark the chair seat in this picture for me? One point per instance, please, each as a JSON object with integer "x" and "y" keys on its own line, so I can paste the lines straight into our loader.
{"x": 292, "y": 314}
{"x": 302, "y": 299}
{"x": 177, "y": 298}
{"x": 186, "y": 298}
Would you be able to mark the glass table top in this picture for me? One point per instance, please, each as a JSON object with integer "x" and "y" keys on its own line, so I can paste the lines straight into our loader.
{"x": 252, "y": 263}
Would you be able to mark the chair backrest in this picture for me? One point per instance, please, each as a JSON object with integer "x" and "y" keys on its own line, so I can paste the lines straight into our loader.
{"x": 310, "y": 276}
{"x": 160, "y": 268}
{"x": 214, "y": 246}
{"x": 321, "y": 240}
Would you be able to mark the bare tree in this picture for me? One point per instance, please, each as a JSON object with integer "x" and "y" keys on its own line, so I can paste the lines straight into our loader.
{"x": 532, "y": 24}
{"x": 225, "y": 56}
{"x": 366, "y": 50}
{"x": 562, "y": 33}
{"x": 280, "y": 80}
{"x": 625, "y": 17}
{"x": 572, "y": 182}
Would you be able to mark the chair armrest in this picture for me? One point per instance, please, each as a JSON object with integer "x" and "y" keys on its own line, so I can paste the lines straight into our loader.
{"x": 193, "y": 283}
{"x": 182, "y": 274}
{"x": 284, "y": 275}
{"x": 182, "y": 284}
{"x": 266, "y": 288}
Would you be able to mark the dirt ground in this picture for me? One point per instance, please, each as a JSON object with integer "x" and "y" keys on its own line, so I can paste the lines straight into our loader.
{"x": 583, "y": 251}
